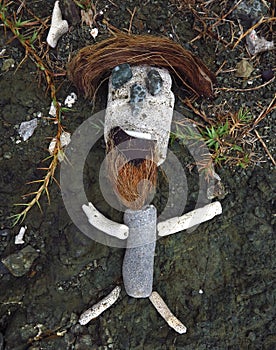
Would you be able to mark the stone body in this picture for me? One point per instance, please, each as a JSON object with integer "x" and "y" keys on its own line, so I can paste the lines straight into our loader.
{"x": 139, "y": 256}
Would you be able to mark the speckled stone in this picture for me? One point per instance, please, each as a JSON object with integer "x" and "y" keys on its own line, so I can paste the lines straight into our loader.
{"x": 120, "y": 75}
{"x": 137, "y": 93}
{"x": 137, "y": 96}
{"x": 20, "y": 262}
{"x": 154, "y": 82}
{"x": 139, "y": 256}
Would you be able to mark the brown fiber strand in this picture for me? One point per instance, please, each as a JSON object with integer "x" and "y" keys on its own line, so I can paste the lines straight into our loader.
{"x": 132, "y": 184}
{"x": 93, "y": 63}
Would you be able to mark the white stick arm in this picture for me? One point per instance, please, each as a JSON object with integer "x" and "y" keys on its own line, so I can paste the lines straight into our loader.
{"x": 194, "y": 217}
{"x": 102, "y": 223}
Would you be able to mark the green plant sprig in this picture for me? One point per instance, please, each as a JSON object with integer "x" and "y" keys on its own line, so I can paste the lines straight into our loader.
{"x": 14, "y": 25}
{"x": 224, "y": 139}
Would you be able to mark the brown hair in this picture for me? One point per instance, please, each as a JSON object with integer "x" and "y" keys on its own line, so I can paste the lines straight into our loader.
{"x": 93, "y": 63}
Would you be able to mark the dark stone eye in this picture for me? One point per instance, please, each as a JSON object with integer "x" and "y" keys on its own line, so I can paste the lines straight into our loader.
{"x": 120, "y": 75}
{"x": 154, "y": 82}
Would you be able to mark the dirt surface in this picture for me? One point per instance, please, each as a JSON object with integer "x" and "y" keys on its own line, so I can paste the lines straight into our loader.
{"x": 219, "y": 280}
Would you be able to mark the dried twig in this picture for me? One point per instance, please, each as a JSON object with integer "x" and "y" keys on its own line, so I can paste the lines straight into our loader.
{"x": 266, "y": 110}
{"x": 265, "y": 147}
{"x": 261, "y": 21}
{"x": 27, "y": 40}
{"x": 226, "y": 14}
{"x": 248, "y": 89}
{"x": 131, "y": 19}
{"x": 209, "y": 30}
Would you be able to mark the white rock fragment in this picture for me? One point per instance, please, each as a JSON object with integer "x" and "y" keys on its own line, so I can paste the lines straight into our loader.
{"x": 257, "y": 44}
{"x": 99, "y": 221}
{"x": 100, "y": 307}
{"x": 70, "y": 100}
{"x": 58, "y": 26}
{"x": 18, "y": 239}
{"x": 188, "y": 220}
{"x": 53, "y": 110}
{"x": 39, "y": 327}
{"x": 26, "y": 129}
{"x": 2, "y": 52}
{"x": 166, "y": 313}
{"x": 65, "y": 139}
{"x": 94, "y": 32}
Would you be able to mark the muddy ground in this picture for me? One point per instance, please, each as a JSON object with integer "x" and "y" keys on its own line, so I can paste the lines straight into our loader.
{"x": 218, "y": 280}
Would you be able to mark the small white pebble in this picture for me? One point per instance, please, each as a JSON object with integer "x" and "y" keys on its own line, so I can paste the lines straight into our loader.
{"x": 18, "y": 239}
{"x": 65, "y": 139}
{"x": 53, "y": 110}
{"x": 26, "y": 129}
{"x": 200, "y": 291}
{"x": 70, "y": 100}
{"x": 94, "y": 32}
{"x": 2, "y": 52}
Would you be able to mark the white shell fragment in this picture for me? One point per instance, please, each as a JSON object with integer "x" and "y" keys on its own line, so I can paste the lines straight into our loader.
{"x": 53, "y": 110}
{"x": 26, "y": 129}
{"x": 94, "y": 32}
{"x": 166, "y": 313}
{"x": 18, "y": 239}
{"x": 70, "y": 100}
{"x": 58, "y": 26}
{"x": 2, "y": 52}
{"x": 99, "y": 221}
{"x": 257, "y": 44}
{"x": 65, "y": 139}
{"x": 100, "y": 307}
{"x": 188, "y": 220}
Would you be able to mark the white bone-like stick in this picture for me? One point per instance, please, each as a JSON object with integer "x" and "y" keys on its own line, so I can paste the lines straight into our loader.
{"x": 100, "y": 307}
{"x": 102, "y": 223}
{"x": 166, "y": 313}
{"x": 58, "y": 26}
{"x": 194, "y": 217}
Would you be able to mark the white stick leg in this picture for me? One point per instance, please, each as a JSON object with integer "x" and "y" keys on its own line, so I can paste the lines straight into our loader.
{"x": 100, "y": 307}
{"x": 166, "y": 313}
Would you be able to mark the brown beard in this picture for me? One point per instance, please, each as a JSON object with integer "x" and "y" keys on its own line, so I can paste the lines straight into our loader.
{"x": 132, "y": 168}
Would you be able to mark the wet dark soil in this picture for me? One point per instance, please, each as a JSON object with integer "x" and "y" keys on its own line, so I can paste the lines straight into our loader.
{"x": 219, "y": 280}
